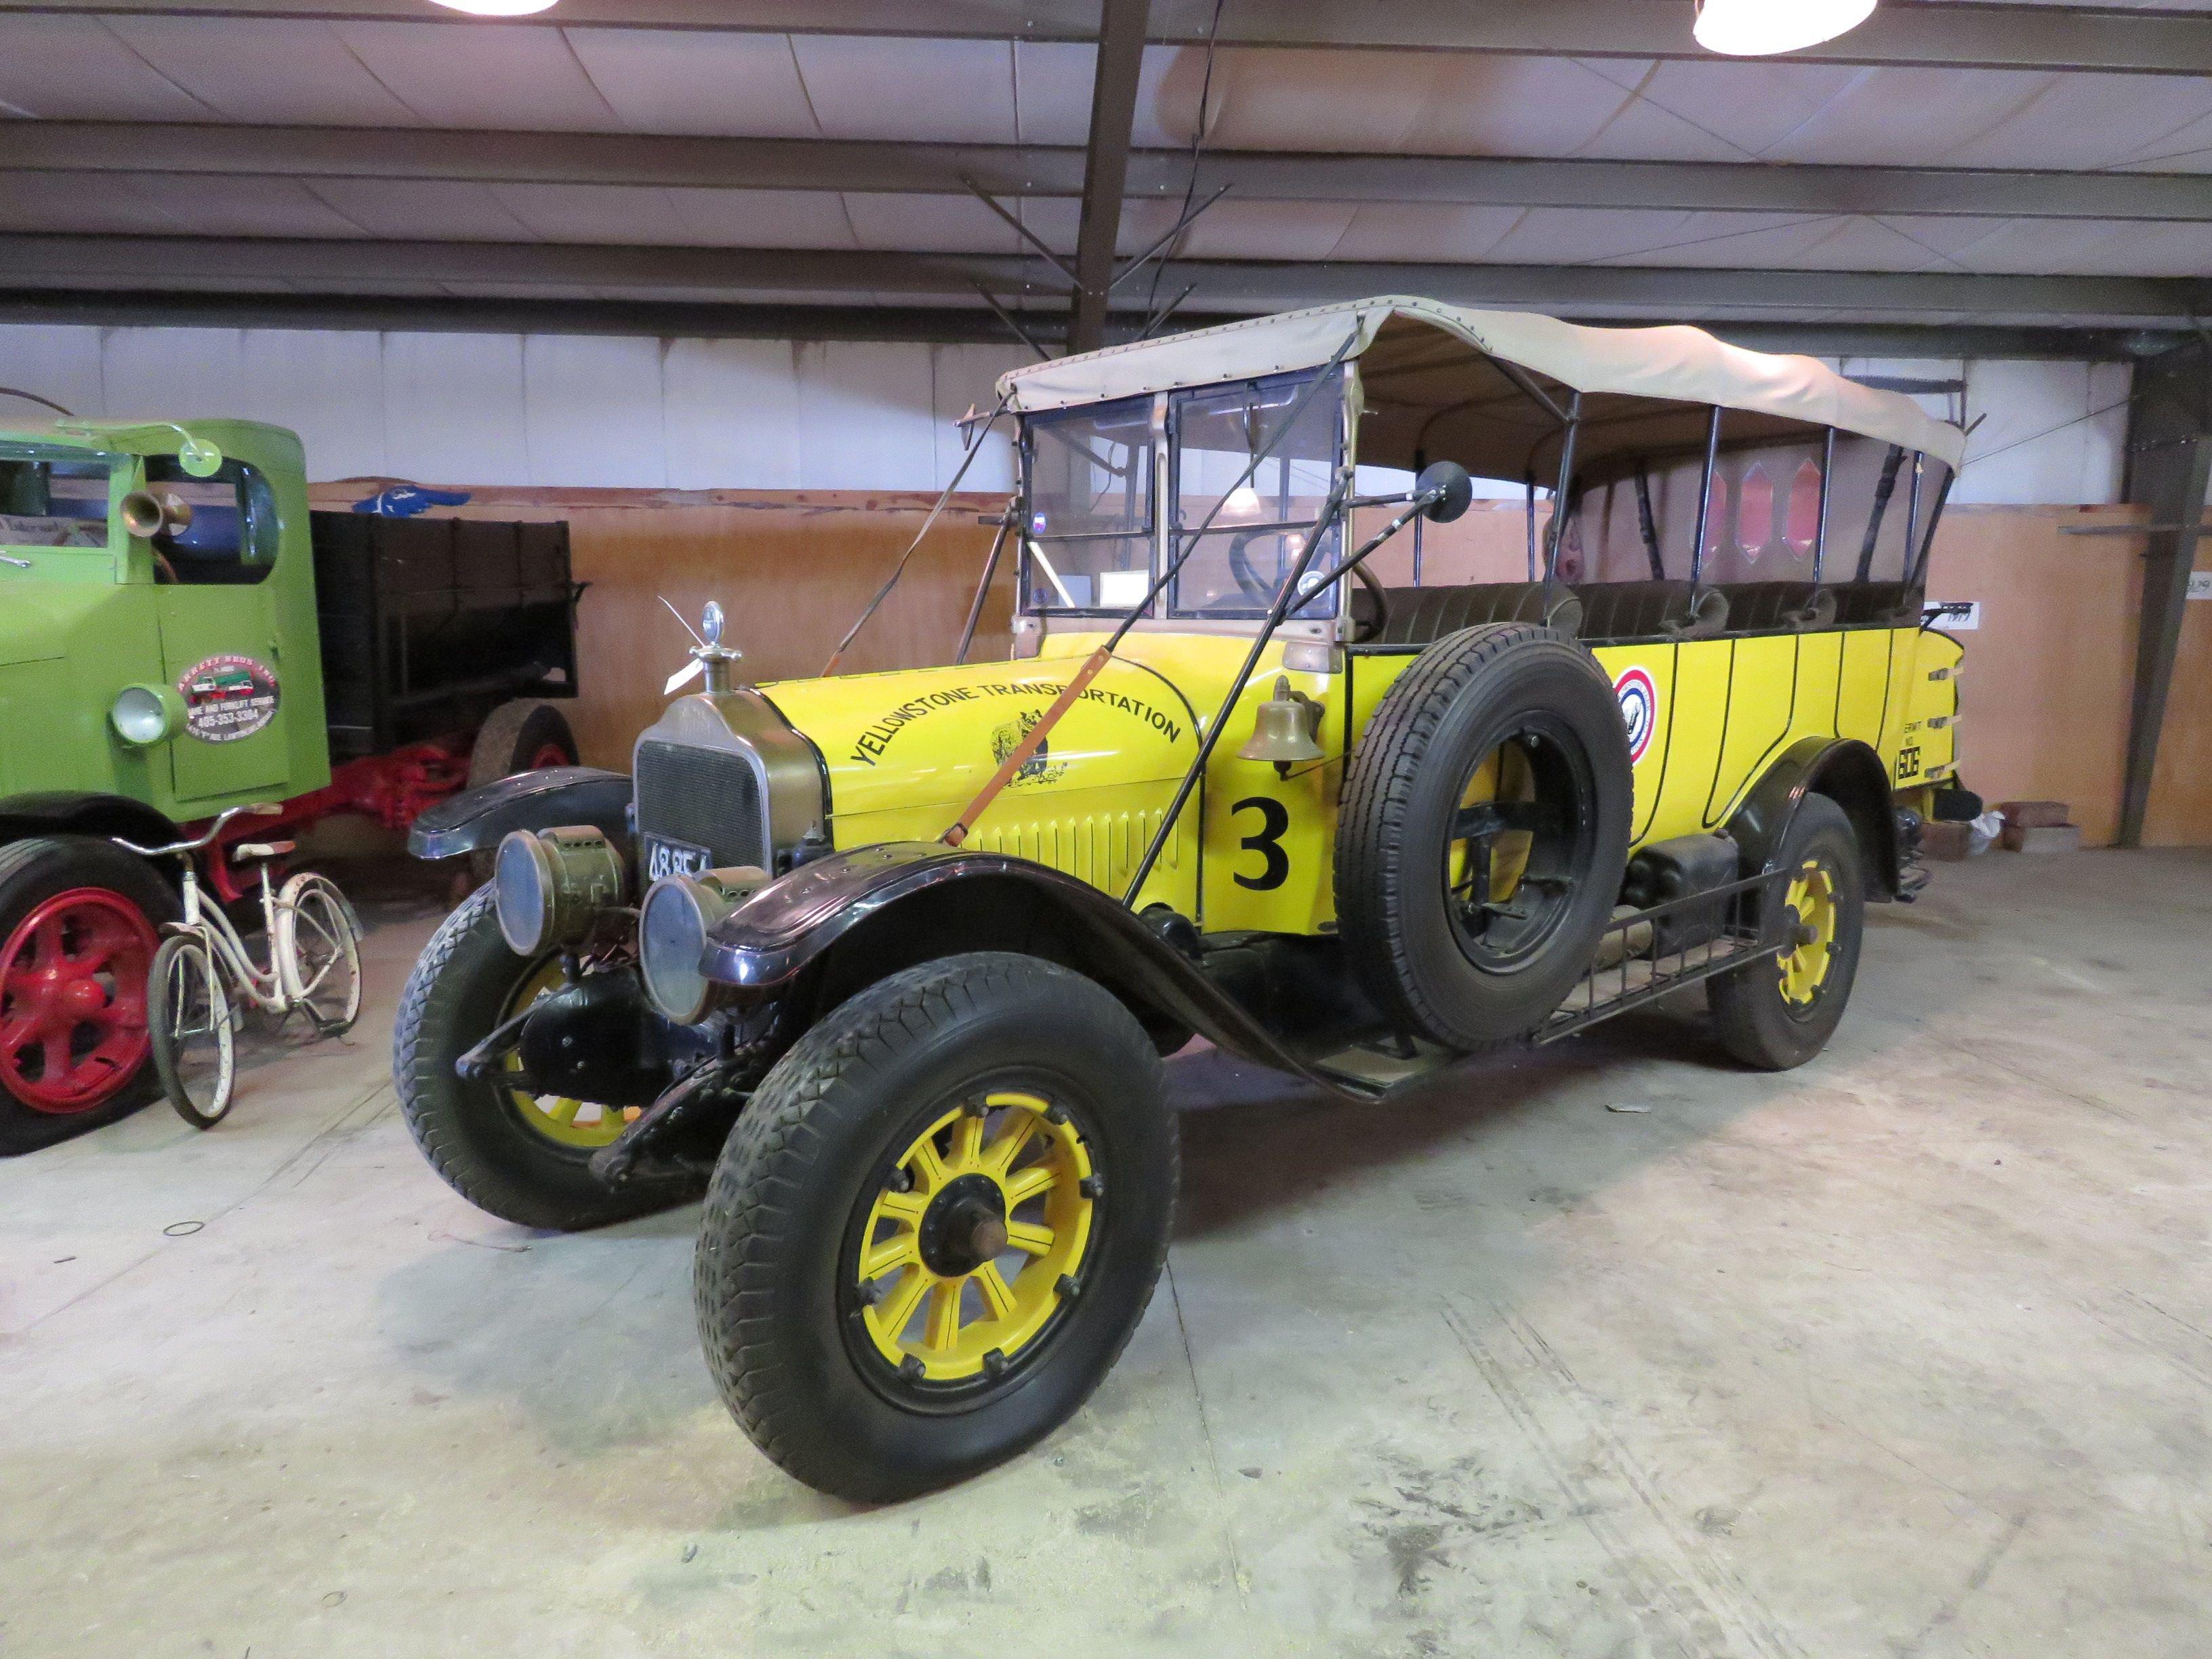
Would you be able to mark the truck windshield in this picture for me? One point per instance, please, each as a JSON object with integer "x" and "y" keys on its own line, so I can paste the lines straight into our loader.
{"x": 1087, "y": 479}
{"x": 53, "y": 503}
{"x": 1256, "y": 536}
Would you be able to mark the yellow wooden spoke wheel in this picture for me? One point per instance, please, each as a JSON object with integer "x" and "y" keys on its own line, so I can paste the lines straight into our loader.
{"x": 976, "y": 1239}
{"x": 1812, "y": 903}
{"x": 583, "y": 1124}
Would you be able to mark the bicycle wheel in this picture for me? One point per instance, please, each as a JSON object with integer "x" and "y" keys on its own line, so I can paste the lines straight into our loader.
{"x": 191, "y": 1025}
{"x": 318, "y": 952}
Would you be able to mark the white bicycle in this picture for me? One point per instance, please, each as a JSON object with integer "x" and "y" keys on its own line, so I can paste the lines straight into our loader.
{"x": 203, "y": 974}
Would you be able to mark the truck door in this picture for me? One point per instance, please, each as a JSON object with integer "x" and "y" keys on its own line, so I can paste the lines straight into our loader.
{"x": 218, "y": 622}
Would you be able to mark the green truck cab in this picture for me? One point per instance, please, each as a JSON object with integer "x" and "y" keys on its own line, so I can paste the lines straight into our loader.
{"x": 113, "y": 646}
{"x": 163, "y": 656}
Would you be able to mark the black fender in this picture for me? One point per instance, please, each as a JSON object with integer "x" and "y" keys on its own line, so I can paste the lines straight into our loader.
{"x": 84, "y": 812}
{"x": 928, "y": 897}
{"x": 1848, "y": 772}
{"x": 548, "y": 799}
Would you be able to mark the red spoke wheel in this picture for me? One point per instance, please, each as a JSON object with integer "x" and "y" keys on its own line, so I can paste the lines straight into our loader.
{"x": 77, "y": 936}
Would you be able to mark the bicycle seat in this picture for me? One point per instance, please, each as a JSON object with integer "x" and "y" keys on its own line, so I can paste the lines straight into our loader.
{"x": 248, "y": 851}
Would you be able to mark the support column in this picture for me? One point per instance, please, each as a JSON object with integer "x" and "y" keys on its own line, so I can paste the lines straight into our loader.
{"x": 1106, "y": 163}
{"x": 2169, "y": 464}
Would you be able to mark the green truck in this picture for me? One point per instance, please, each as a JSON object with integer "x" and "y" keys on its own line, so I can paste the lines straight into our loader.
{"x": 178, "y": 634}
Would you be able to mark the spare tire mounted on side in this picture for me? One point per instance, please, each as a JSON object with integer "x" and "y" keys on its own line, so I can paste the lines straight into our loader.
{"x": 1484, "y": 833}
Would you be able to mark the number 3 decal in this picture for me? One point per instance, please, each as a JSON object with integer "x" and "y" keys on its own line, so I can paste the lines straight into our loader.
{"x": 1267, "y": 841}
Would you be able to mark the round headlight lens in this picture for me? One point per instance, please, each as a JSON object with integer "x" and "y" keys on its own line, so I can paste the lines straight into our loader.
{"x": 522, "y": 890}
{"x": 139, "y": 716}
{"x": 672, "y": 937}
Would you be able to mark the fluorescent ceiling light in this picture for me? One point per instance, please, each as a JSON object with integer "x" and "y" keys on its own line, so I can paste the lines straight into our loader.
{"x": 1755, "y": 28}
{"x": 497, "y": 8}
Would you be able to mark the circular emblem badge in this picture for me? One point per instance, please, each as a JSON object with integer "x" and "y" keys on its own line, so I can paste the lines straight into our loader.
{"x": 1640, "y": 709}
{"x": 228, "y": 697}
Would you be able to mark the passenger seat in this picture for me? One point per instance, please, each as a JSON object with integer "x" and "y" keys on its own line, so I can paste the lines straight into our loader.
{"x": 1422, "y": 615}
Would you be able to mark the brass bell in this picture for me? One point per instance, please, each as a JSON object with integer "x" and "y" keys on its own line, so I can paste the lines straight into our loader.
{"x": 1283, "y": 730}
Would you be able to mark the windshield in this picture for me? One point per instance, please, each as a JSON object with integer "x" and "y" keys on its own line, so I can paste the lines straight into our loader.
{"x": 53, "y": 503}
{"x": 1256, "y": 534}
{"x": 1087, "y": 477}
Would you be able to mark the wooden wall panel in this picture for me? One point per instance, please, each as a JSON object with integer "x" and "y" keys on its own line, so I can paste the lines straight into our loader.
{"x": 2048, "y": 673}
{"x": 2046, "y": 693}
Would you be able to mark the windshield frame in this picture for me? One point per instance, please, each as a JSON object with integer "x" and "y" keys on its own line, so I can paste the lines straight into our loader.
{"x": 1162, "y": 533}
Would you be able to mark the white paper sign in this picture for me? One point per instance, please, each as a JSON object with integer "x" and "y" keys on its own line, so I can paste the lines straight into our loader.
{"x": 2200, "y": 584}
{"x": 1952, "y": 615}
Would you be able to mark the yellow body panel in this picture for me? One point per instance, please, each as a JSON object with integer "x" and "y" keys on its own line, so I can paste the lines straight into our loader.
{"x": 906, "y": 751}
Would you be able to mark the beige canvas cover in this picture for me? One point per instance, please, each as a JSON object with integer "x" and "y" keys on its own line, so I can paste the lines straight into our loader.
{"x": 1434, "y": 385}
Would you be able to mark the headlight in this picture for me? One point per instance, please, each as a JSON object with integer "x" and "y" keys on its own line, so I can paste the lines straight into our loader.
{"x": 554, "y": 887}
{"x": 678, "y": 913}
{"x": 145, "y": 714}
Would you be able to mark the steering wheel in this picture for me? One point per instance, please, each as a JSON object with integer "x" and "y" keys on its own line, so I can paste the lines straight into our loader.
{"x": 1240, "y": 568}
{"x": 1381, "y": 595}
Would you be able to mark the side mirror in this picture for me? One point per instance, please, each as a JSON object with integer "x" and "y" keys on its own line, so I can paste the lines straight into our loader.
{"x": 1452, "y": 489}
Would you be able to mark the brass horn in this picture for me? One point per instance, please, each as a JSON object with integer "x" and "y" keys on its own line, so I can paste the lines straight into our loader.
{"x": 146, "y": 515}
{"x": 141, "y": 514}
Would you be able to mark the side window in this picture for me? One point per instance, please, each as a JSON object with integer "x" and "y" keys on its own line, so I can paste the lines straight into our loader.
{"x": 1869, "y": 511}
{"x": 229, "y": 535}
{"x": 53, "y": 503}
{"x": 1764, "y": 524}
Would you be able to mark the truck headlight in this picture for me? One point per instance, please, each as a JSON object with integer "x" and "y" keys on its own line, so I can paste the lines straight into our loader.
{"x": 672, "y": 926}
{"x": 146, "y": 715}
{"x": 552, "y": 888}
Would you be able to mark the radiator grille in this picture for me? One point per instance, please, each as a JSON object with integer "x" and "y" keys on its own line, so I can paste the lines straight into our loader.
{"x": 708, "y": 797}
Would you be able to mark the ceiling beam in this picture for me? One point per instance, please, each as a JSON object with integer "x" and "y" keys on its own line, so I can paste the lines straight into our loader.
{"x": 1121, "y": 62}
{"x": 117, "y": 308}
{"x": 2055, "y": 38}
{"x": 1040, "y": 170}
{"x": 346, "y": 265}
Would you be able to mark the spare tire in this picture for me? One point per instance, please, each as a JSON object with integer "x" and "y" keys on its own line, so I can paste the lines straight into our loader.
{"x": 1483, "y": 833}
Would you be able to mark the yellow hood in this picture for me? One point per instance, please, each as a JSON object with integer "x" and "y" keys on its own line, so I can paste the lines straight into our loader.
{"x": 933, "y": 736}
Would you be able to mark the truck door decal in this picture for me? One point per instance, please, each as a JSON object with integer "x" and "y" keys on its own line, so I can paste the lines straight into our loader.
{"x": 228, "y": 697}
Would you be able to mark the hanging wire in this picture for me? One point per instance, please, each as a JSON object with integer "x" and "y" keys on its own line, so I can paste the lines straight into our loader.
{"x": 1197, "y": 151}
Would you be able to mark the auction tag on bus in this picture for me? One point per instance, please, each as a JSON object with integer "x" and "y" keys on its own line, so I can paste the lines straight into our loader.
{"x": 664, "y": 857}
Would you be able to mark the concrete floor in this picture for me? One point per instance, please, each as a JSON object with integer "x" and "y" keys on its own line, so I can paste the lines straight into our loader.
{"x": 1612, "y": 1350}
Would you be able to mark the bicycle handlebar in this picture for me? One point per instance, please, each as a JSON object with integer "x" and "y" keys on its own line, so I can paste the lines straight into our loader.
{"x": 264, "y": 809}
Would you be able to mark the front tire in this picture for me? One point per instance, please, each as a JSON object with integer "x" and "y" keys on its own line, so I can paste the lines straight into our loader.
{"x": 77, "y": 935}
{"x": 936, "y": 1224}
{"x": 194, "y": 1030}
{"x": 1778, "y": 1012}
{"x": 523, "y": 1159}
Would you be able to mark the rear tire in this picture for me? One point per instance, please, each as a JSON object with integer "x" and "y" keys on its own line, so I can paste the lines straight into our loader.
{"x": 318, "y": 942}
{"x": 1779, "y": 1013}
{"x": 194, "y": 1031}
{"x": 1041, "y": 1209}
{"x": 522, "y": 736}
{"x": 63, "y": 899}
{"x": 479, "y": 1137}
{"x": 1515, "y": 723}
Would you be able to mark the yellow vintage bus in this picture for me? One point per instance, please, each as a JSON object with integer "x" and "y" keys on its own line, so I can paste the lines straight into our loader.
{"x": 1293, "y": 750}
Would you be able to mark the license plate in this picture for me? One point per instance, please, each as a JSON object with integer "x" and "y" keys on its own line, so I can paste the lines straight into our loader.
{"x": 664, "y": 857}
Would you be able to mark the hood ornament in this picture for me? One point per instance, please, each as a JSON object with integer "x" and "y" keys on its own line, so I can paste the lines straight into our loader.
{"x": 710, "y": 657}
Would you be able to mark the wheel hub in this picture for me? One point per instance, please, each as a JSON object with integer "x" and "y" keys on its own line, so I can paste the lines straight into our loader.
{"x": 977, "y": 1237}
{"x": 964, "y": 1226}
